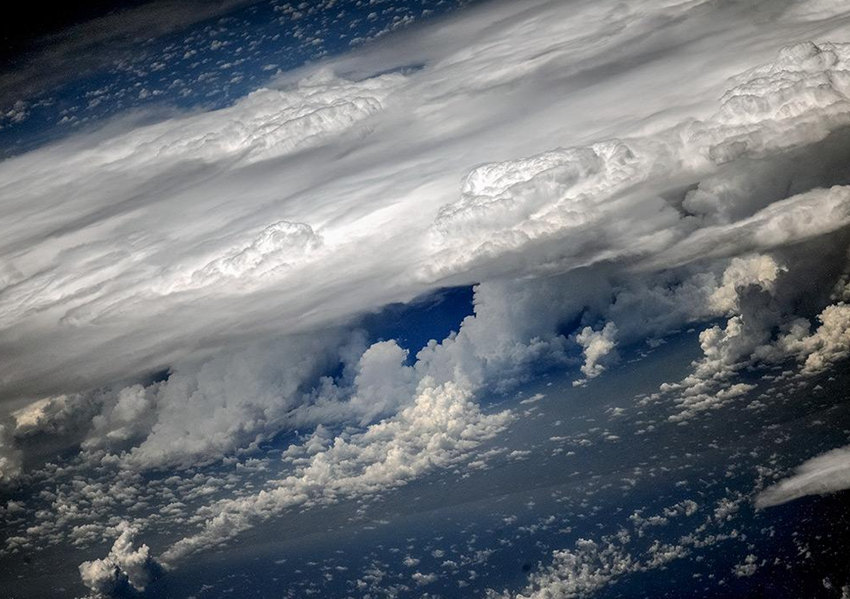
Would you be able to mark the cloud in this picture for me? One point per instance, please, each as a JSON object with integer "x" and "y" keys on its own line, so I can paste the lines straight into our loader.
{"x": 10, "y": 457}
{"x": 579, "y": 572}
{"x": 440, "y": 428}
{"x": 207, "y": 410}
{"x": 265, "y": 124}
{"x": 569, "y": 174}
{"x": 356, "y": 175}
{"x": 124, "y": 572}
{"x": 571, "y": 195}
{"x": 750, "y": 338}
{"x": 383, "y": 382}
{"x": 596, "y": 347}
{"x": 277, "y": 246}
{"x": 44, "y": 414}
{"x": 826, "y": 473}
{"x": 826, "y": 346}
{"x": 757, "y": 294}
{"x": 592, "y": 564}
{"x": 794, "y": 219}
{"x": 758, "y": 270}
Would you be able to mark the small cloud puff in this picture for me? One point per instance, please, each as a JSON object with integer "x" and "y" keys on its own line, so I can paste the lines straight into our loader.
{"x": 597, "y": 348}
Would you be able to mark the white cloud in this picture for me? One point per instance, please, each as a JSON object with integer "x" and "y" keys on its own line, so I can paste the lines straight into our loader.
{"x": 49, "y": 414}
{"x": 142, "y": 238}
{"x": 591, "y": 565}
{"x": 758, "y": 270}
{"x": 207, "y": 410}
{"x": 382, "y": 382}
{"x": 758, "y": 294}
{"x": 441, "y": 427}
{"x": 798, "y": 218}
{"x": 424, "y": 579}
{"x": 579, "y": 572}
{"x": 233, "y": 247}
{"x": 278, "y": 246}
{"x": 572, "y": 195}
{"x": 596, "y": 347}
{"x": 826, "y": 473}
{"x": 827, "y": 345}
{"x": 267, "y": 123}
{"x": 124, "y": 569}
{"x": 10, "y": 457}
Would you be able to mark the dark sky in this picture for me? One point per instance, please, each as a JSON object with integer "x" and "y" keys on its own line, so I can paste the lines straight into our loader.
{"x": 32, "y": 21}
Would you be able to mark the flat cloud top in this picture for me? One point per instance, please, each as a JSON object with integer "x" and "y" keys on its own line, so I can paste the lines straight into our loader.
{"x": 128, "y": 253}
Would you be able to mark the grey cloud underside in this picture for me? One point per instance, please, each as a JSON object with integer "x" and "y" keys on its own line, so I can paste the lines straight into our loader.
{"x": 574, "y": 184}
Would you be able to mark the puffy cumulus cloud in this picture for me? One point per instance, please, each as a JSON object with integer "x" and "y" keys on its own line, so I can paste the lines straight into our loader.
{"x": 122, "y": 418}
{"x": 596, "y": 347}
{"x": 745, "y": 293}
{"x": 56, "y": 416}
{"x": 124, "y": 572}
{"x": 818, "y": 350}
{"x": 579, "y": 572}
{"x": 212, "y": 407}
{"x": 830, "y": 343}
{"x": 758, "y": 295}
{"x": 383, "y": 382}
{"x": 519, "y": 328}
{"x": 441, "y": 427}
{"x": 759, "y": 270}
{"x": 592, "y": 564}
{"x": 826, "y": 473}
{"x": 206, "y": 410}
{"x": 751, "y": 294}
{"x": 46, "y": 413}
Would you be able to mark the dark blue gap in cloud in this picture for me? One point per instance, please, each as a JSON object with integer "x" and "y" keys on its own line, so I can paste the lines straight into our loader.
{"x": 431, "y": 316}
